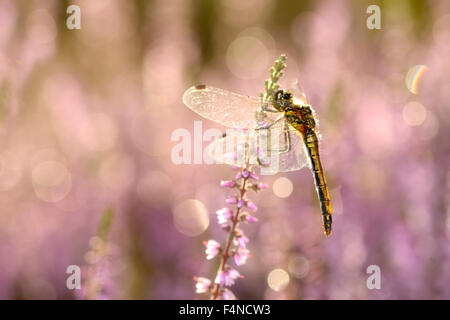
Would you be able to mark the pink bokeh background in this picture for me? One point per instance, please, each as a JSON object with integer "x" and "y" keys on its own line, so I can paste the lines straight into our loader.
{"x": 86, "y": 118}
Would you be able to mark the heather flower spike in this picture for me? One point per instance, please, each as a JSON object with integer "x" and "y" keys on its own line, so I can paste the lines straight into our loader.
{"x": 236, "y": 242}
{"x": 97, "y": 270}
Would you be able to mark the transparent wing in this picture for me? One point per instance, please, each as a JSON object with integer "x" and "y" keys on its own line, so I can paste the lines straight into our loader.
{"x": 227, "y": 108}
{"x": 274, "y": 150}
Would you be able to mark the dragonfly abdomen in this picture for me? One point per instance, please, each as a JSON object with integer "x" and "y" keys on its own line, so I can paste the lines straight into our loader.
{"x": 312, "y": 145}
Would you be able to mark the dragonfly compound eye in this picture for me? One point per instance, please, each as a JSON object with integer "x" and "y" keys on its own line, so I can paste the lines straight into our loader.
{"x": 278, "y": 95}
{"x": 287, "y": 96}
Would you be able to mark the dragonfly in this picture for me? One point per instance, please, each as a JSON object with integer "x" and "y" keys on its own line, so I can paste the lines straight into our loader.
{"x": 283, "y": 128}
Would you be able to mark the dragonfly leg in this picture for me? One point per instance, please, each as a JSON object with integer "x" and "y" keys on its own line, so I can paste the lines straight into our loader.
{"x": 268, "y": 140}
{"x": 287, "y": 138}
{"x": 271, "y": 110}
{"x": 261, "y": 114}
{"x": 280, "y": 117}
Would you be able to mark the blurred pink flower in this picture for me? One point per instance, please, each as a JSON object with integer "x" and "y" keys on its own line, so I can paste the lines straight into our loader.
{"x": 202, "y": 284}
{"x": 227, "y": 183}
{"x": 254, "y": 176}
{"x": 250, "y": 218}
{"x": 262, "y": 186}
{"x": 252, "y": 206}
{"x": 241, "y": 256}
{"x": 231, "y": 200}
{"x": 227, "y": 277}
{"x": 212, "y": 249}
{"x": 224, "y": 215}
{"x": 240, "y": 239}
{"x": 228, "y": 295}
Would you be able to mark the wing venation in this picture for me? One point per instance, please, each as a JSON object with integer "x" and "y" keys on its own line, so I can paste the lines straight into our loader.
{"x": 227, "y": 108}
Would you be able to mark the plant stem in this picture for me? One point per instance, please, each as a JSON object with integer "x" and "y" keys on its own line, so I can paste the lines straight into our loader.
{"x": 226, "y": 253}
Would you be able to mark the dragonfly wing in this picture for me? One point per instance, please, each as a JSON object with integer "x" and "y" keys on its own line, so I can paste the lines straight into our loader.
{"x": 227, "y": 108}
{"x": 289, "y": 152}
{"x": 234, "y": 148}
{"x": 270, "y": 149}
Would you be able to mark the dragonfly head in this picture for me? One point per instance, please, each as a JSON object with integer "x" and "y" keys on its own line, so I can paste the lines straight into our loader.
{"x": 282, "y": 99}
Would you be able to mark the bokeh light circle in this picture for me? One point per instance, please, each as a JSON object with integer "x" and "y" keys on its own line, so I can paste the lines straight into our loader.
{"x": 278, "y": 279}
{"x": 414, "y": 114}
{"x": 299, "y": 266}
{"x": 190, "y": 217}
{"x": 282, "y": 187}
{"x": 247, "y": 57}
{"x": 51, "y": 181}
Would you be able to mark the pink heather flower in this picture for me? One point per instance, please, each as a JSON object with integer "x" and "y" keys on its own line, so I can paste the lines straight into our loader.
{"x": 240, "y": 203}
{"x": 227, "y": 183}
{"x": 235, "y": 168}
{"x": 241, "y": 256}
{"x": 238, "y": 176}
{"x": 212, "y": 249}
{"x": 202, "y": 284}
{"x": 245, "y": 174}
{"x": 240, "y": 239}
{"x": 228, "y": 295}
{"x": 231, "y": 200}
{"x": 224, "y": 215}
{"x": 227, "y": 277}
{"x": 252, "y": 206}
{"x": 262, "y": 186}
{"x": 254, "y": 176}
{"x": 251, "y": 218}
